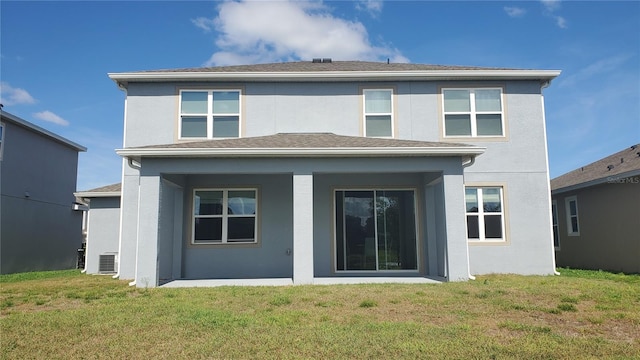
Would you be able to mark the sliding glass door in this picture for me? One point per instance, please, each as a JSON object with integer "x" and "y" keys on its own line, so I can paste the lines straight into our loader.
{"x": 375, "y": 230}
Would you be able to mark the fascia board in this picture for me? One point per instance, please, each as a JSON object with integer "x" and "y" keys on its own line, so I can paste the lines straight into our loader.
{"x": 96, "y": 194}
{"x": 300, "y": 152}
{"x": 123, "y": 78}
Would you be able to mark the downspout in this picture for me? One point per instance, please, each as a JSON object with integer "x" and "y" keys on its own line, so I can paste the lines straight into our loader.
{"x": 135, "y": 165}
{"x": 543, "y": 86}
{"x": 466, "y": 164}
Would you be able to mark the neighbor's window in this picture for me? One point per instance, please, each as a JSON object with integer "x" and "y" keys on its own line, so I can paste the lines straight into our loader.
{"x": 473, "y": 112}
{"x": 223, "y": 216}
{"x": 375, "y": 230}
{"x": 571, "y": 204}
{"x": 378, "y": 113}
{"x": 554, "y": 219}
{"x": 485, "y": 213}
{"x": 209, "y": 114}
{"x": 1, "y": 138}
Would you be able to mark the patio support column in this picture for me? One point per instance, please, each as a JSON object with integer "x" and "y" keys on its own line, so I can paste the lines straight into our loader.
{"x": 302, "y": 228}
{"x": 128, "y": 234}
{"x": 148, "y": 217}
{"x": 457, "y": 251}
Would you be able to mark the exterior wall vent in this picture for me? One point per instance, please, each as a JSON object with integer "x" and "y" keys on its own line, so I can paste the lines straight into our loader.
{"x": 107, "y": 264}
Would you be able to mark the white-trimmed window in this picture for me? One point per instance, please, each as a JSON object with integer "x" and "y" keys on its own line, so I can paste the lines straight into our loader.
{"x": 224, "y": 216}
{"x": 571, "y": 205}
{"x": 208, "y": 114}
{"x": 378, "y": 112}
{"x": 554, "y": 219}
{"x": 473, "y": 112}
{"x": 1, "y": 139}
{"x": 485, "y": 214}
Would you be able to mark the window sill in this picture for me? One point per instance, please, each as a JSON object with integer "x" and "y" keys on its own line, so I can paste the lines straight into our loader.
{"x": 488, "y": 242}
{"x": 224, "y": 245}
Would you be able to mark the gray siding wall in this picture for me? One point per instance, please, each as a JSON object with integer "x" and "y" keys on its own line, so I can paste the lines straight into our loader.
{"x": 40, "y": 231}
{"x": 102, "y": 231}
{"x": 609, "y": 228}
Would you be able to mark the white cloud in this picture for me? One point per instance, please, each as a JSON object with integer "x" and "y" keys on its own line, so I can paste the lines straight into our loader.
{"x": 50, "y": 117}
{"x": 514, "y": 11}
{"x": 561, "y": 22}
{"x": 257, "y": 31}
{"x": 602, "y": 66}
{"x": 551, "y": 6}
{"x": 373, "y": 7}
{"x": 204, "y": 23}
{"x": 14, "y": 96}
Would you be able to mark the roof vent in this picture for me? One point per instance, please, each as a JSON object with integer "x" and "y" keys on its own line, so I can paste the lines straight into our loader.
{"x": 633, "y": 147}
{"x": 638, "y": 153}
{"x": 609, "y": 167}
{"x": 621, "y": 160}
{"x": 316, "y": 60}
{"x": 326, "y": 60}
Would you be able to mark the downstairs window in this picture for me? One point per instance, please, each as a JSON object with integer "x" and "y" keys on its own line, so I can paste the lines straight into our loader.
{"x": 224, "y": 216}
{"x": 485, "y": 214}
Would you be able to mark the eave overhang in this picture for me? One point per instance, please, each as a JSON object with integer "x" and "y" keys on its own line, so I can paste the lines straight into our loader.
{"x": 122, "y": 79}
{"x": 155, "y": 152}
{"x": 96, "y": 194}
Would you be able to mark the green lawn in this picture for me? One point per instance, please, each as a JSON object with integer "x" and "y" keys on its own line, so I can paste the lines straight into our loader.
{"x": 577, "y": 315}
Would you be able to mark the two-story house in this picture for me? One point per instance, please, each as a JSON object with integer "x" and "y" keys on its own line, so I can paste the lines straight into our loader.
{"x": 40, "y": 221}
{"x": 333, "y": 171}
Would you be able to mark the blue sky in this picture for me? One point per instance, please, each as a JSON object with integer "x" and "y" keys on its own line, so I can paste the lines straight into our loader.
{"x": 55, "y": 57}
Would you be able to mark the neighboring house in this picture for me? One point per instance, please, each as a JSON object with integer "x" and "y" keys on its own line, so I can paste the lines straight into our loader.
{"x": 102, "y": 225}
{"x": 323, "y": 172}
{"x": 39, "y": 219}
{"x": 596, "y": 212}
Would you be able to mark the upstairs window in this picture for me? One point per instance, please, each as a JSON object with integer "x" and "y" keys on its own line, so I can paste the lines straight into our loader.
{"x": 485, "y": 214}
{"x": 473, "y": 112}
{"x": 378, "y": 112}
{"x": 571, "y": 204}
{"x": 209, "y": 114}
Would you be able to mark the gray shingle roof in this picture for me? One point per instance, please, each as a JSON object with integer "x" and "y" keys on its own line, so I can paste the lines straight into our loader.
{"x": 105, "y": 189}
{"x": 622, "y": 162}
{"x": 304, "y": 140}
{"x": 309, "y": 66}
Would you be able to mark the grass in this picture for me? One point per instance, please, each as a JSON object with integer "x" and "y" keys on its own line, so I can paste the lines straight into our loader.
{"x": 577, "y": 315}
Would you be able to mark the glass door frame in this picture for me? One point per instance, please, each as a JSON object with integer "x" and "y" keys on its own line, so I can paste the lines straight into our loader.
{"x": 374, "y": 190}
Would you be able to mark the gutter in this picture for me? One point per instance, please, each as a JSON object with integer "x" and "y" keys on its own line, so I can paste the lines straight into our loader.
{"x": 471, "y": 151}
{"x": 122, "y": 79}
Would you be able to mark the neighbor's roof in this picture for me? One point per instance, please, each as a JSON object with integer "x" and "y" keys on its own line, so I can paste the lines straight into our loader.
{"x": 622, "y": 164}
{"x": 104, "y": 191}
{"x": 303, "y": 145}
{"x": 332, "y": 71}
{"x": 7, "y": 117}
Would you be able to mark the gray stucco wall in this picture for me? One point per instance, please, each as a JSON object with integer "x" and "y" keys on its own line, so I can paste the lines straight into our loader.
{"x": 609, "y": 228}
{"x": 275, "y": 228}
{"x": 518, "y": 161}
{"x": 39, "y": 230}
{"x": 102, "y": 230}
